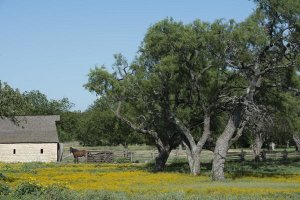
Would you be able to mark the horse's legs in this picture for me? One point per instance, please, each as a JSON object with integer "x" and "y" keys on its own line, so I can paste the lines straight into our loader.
{"x": 75, "y": 159}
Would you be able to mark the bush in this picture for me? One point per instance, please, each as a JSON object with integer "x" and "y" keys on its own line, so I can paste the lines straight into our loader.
{"x": 58, "y": 192}
{"x": 2, "y": 177}
{"x": 31, "y": 167}
{"x": 28, "y": 188}
{"x": 4, "y": 189}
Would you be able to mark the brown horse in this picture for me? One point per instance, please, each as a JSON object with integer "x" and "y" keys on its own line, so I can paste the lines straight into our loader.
{"x": 77, "y": 153}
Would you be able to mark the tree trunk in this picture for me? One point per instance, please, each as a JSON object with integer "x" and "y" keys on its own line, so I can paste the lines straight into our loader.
{"x": 257, "y": 146}
{"x": 193, "y": 159}
{"x": 161, "y": 159}
{"x": 195, "y": 164}
{"x": 164, "y": 147}
{"x": 297, "y": 141}
{"x": 222, "y": 145}
{"x": 189, "y": 155}
{"x": 193, "y": 149}
{"x": 220, "y": 153}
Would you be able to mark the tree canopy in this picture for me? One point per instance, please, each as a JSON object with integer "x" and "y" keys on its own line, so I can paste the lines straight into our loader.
{"x": 188, "y": 76}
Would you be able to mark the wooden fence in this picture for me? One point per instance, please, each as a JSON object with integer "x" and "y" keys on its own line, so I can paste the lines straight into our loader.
{"x": 144, "y": 156}
{"x": 132, "y": 156}
{"x": 273, "y": 155}
{"x": 242, "y": 155}
{"x": 99, "y": 156}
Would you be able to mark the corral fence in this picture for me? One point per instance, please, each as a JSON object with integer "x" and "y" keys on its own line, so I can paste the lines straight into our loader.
{"x": 99, "y": 156}
{"x": 130, "y": 156}
{"x": 264, "y": 155}
{"x": 146, "y": 156}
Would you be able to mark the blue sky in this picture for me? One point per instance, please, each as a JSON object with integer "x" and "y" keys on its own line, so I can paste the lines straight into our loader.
{"x": 51, "y": 45}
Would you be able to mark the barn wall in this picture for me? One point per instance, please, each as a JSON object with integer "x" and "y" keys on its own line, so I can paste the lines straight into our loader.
{"x": 28, "y": 152}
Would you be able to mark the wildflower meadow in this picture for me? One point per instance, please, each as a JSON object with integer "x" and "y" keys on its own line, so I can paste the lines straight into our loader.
{"x": 273, "y": 180}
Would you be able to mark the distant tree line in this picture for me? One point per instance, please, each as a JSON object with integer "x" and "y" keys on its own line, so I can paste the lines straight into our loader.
{"x": 13, "y": 102}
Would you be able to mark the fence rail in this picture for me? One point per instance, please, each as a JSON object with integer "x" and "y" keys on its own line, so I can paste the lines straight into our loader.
{"x": 148, "y": 155}
{"x": 274, "y": 155}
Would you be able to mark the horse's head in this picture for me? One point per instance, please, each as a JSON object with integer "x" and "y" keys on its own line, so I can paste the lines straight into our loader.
{"x": 71, "y": 150}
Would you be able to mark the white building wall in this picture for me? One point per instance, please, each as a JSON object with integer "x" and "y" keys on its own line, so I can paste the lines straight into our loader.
{"x": 28, "y": 152}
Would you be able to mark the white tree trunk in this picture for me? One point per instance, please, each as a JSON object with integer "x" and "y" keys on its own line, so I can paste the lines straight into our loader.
{"x": 193, "y": 149}
{"x": 223, "y": 143}
{"x": 220, "y": 152}
{"x": 297, "y": 141}
{"x": 193, "y": 159}
{"x": 257, "y": 146}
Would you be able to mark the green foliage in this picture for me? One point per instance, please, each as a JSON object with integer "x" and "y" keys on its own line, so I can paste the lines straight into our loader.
{"x": 4, "y": 189}
{"x": 69, "y": 126}
{"x": 39, "y": 104}
{"x": 30, "y": 167}
{"x": 57, "y": 192}
{"x": 11, "y": 101}
{"x": 2, "y": 177}
{"x": 28, "y": 188}
{"x": 188, "y": 71}
{"x": 99, "y": 126}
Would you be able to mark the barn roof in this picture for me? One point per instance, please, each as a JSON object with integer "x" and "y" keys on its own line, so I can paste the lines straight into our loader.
{"x": 29, "y": 129}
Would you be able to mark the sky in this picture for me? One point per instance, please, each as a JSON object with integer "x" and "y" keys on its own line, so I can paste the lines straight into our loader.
{"x": 51, "y": 46}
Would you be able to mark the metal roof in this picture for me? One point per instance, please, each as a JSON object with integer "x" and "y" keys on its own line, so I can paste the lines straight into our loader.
{"x": 29, "y": 129}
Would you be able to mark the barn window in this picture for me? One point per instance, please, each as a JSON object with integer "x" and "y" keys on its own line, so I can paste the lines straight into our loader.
{"x": 42, "y": 151}
{"x": 14, "y": 151}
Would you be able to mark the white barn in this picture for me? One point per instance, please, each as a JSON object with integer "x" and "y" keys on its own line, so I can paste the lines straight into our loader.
{"x": 31, "y": 139}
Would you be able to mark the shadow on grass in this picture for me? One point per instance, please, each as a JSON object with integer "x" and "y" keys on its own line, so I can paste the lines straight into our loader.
{"x": 178, "y": 166}
{"x": 237, "y": 169}
{"x": 269, "y": 168}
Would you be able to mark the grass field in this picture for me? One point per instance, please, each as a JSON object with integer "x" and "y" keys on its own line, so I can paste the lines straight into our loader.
{"x": 248, "y": 180}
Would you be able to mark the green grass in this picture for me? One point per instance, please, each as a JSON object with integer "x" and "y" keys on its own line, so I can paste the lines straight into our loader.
{"x": 105, "y": 195}
{"x": 246, "y": 180}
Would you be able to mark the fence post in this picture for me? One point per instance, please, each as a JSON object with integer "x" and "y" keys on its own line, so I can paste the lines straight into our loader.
{"x": 284, "y": 155}
{"x": 131, "y": 156}
{"x": 264, "y": 155}
{"x": 242, "y": 155}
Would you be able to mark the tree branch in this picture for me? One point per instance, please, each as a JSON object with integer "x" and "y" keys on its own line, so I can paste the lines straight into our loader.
{"x": 274, "y": 68}
{"x": 239, "y": 132}
{"x": 135, "y": 127}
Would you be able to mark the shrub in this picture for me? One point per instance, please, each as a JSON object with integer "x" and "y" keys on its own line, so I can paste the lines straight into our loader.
{"x": 2, "y": 177}
{"x": 58, "y": 192}
{"x": 31, "y": 167}
{"x": 4, "y": 189}
{"x": 28, "y": 188}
